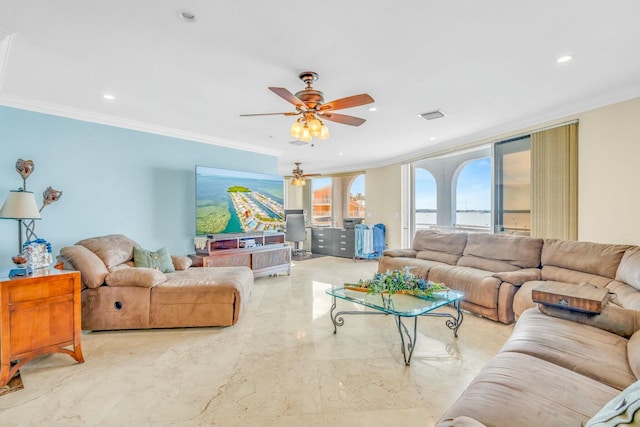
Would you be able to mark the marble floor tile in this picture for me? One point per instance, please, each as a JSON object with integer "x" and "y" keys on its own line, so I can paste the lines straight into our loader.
{"x": 280, "y": 365}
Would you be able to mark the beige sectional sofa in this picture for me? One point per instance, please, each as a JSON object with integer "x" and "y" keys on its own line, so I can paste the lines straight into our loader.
{"x": 559, "y": 367}
{"x": 498, "y": 272}
{"x": 557, "y": 370}
{"x": 118, "y": 295}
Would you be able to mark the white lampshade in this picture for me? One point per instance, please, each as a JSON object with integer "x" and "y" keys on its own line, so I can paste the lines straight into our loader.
{"x": 20, "y": 205}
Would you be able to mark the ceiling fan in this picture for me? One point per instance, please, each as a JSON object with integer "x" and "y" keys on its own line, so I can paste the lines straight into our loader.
{"x": 310, "y": 105}
{"x": 298, "y": 176}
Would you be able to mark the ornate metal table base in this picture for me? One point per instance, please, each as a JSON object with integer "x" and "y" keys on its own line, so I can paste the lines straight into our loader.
{"x": 408, "y": 344}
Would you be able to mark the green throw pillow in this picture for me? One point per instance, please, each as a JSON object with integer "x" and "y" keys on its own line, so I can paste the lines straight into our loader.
{"x": 158, "y": 260}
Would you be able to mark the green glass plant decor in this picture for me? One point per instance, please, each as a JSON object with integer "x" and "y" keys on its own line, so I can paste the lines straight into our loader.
{"x": 398, "y": 281}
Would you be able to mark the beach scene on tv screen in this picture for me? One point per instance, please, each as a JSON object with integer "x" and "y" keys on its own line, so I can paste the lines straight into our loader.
{"x": 237, "y": 202}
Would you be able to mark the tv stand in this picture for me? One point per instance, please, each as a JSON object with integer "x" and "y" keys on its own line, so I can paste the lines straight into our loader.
{"x": 264, "y": 253}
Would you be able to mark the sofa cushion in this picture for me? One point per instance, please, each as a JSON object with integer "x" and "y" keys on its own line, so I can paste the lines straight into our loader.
{"x": 586, "y": 350}
{"x": 594, "y": 258}
{"x": 629, "y": 268}
{"x": 181, "y": 262}
{"x": 159, "y": 260}
{"x": 438, "y": 256}
{"x": 613, "y": 319}
{"x": 478, "y": 286}
{"x": 509, "y": 252}
{"x": 92, "y": 269}
{"x": 624, "y": 295}
{"x": 518, "y": 277}
{"x": 515, "y": 389}
{"x": 419, "y": 267}
{"x": 405, "y": 253}
{"x": 622, "y": 410}
{"x": 485, "y": 264}
{"x": 113, "y": 249}
{"x": 560, "y": 274}
{"x": 138, "y": 276}
{"x": 523, "y": 299}
{"x": 437, "y": 241}
{"x": 201, "y": 297}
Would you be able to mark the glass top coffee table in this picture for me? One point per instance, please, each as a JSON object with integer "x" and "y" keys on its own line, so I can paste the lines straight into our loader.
{"x": 401, "y": 306}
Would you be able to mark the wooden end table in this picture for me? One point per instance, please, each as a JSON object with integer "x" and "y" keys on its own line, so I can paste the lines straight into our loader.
{"x": 39, "y": 314}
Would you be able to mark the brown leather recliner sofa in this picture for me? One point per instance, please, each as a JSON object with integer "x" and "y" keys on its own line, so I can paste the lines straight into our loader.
{"x": 118, "y": 295}
{"x": 498, "y": 272}
{"x": 558, "y": 369}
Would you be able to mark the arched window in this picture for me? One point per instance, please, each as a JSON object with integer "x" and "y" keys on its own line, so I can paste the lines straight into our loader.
{"x": 356, "y": 197}
{"x": 426, "y": 199}
{"x": 473, "y": 194}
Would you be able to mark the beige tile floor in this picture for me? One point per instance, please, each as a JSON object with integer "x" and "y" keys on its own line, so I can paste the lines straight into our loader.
{"x": 281, "y": 365}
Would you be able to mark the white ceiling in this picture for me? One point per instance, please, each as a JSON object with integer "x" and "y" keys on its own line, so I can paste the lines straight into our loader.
{"x": 489, "y": 65}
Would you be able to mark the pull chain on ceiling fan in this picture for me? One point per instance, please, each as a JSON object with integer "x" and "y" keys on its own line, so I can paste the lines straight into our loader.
{"x": 310, "y": 105}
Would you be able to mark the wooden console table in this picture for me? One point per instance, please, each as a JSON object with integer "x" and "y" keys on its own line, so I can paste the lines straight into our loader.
{"x": 39, "y": 314}
{"x": 270, "y": 255}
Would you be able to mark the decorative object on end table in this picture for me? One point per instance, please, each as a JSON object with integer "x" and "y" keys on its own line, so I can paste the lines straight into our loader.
{"x": 21, "y": 205}
{"x": 398, "y": 282}
{"x": 22, "y": 266}
{"x": 38, "y": 253}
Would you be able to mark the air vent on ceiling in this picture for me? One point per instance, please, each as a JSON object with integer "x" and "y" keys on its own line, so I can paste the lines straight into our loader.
{"x": 432, "y": 115}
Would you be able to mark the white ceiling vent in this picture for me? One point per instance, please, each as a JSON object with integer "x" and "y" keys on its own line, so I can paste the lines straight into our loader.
{"x": 432, "y": 115}
{"x": 297, "y": 142}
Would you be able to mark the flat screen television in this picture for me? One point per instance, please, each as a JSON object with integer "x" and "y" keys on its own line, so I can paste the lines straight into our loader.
{"x": 229, "y": 201}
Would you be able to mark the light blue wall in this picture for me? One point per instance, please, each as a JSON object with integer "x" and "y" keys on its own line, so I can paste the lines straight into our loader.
{"x": 113, "y": 180}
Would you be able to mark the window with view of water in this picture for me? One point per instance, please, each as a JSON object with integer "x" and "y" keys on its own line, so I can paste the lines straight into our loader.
{"x": 473, "y": 194}
{"x": 513, "y": 186}
{"x": 356, "y": 198}
{"x": 426, "y": 199}
{"x": 321, "y": 201}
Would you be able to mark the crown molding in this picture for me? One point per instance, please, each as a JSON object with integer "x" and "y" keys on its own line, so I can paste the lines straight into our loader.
{"x": 6, "y": 41}
{"x": 104, "y": 119}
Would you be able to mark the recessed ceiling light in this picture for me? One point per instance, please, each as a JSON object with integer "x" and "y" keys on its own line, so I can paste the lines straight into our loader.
{"x": 108, "y": 96}
{"x": 433, "y": 138}
{"x": 187, "y": 16}
{"x": 565, "y": 58}
{"x": 340, "y": 153}
{"x": 373, "y": 109}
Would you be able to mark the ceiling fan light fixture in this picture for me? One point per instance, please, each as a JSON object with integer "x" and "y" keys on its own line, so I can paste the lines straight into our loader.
{"x": 324, "y": 132}
{"x": 298, "y": 181}
{"x": 297, "y": 129}
{"x": 314, "y": 126}
{"x": 306, "y": 134}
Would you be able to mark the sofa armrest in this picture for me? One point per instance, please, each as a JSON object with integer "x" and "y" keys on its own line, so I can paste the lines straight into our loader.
{"x": 518, "y": 277}
{"x": 181, "y": 262}
{"x": 619, "y": 321}
{"x": 136, "y": 276}
{"x": 404, "y": 253}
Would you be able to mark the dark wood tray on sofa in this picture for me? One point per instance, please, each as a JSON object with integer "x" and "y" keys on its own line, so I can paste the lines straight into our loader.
{"x": 584, "y": 297}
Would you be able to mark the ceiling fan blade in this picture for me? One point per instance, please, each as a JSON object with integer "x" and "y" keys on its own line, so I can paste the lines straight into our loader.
{"x": 342, "y": 118}
{"x": 348, "y": 102}
{"x": 309, "y": 175}
{"x": 289, "y": 97}
{"x": 270, "y": 114}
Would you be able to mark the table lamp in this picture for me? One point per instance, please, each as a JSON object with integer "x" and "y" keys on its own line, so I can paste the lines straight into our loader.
{"x": 20, "y": 205}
